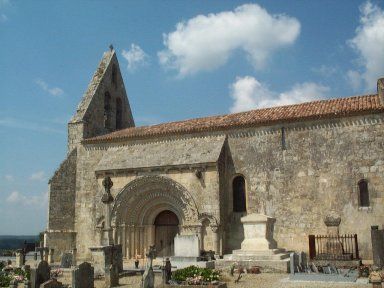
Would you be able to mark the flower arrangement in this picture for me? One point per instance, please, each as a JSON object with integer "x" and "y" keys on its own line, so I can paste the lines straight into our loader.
{"x": 56, "y": 273}
{"x": 16, "y": 276}
{"x": 193, "y": 275}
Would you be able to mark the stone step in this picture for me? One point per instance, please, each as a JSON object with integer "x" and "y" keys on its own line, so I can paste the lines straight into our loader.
{"x": 261, "y": 252}
{"x": 250, "y": 256}
{"x": 275, "y": 266}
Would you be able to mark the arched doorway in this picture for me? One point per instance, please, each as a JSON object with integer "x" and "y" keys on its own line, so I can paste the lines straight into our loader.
{"x": 166, "y": 228}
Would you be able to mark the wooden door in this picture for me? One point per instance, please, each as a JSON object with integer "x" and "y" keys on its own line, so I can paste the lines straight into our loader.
{"x": 166, "y": 228}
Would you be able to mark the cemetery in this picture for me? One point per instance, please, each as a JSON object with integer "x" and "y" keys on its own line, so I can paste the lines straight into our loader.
{"x": 287, "y": 195}
{"x": 334, "y": 261}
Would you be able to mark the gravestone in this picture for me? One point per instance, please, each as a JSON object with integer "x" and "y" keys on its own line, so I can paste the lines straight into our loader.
{"x": 66, "y": 260}
{"x": 377, "y": 239}
{"x": 294, "y": 263}
{"x": 52, "y": 283}
{"x": 314, "y": 268}
{"x": 83, "y": 276}
{"x": 20, "y": 258}
{"x": 40, "y": 274}
{"x": 303, "y": 259}
{"x": 112, "y": 276}
{"x": 327, "y": 270}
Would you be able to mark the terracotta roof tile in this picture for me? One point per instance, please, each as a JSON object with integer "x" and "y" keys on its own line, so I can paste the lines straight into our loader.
{"x": 332, "y": 108}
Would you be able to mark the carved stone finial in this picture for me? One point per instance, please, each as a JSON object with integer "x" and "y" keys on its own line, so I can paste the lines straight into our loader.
{"x": 198, "y": 173}
{"x": 107, "y": 197}
{"x": 111, "y": 47}
{"x": 332, "y": 219}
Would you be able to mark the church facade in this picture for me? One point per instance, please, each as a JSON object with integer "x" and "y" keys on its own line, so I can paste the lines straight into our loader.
{"x": 295, "y": 163}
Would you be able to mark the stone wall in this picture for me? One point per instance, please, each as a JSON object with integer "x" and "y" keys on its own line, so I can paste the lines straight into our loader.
{"x": 316, "y": 173}
{"x": 61, "y": 210}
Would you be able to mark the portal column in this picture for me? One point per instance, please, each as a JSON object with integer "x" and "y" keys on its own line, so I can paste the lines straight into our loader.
{"x": 216, "y": 239}
{"x": 123, "y": 240}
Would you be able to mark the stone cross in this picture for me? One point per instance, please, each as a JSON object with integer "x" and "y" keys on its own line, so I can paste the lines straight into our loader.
{"x": 107, "y": 199}
{"x": 149, "y": 276}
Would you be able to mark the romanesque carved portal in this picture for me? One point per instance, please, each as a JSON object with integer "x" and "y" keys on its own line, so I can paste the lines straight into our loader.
{"x": 150, "y": 210}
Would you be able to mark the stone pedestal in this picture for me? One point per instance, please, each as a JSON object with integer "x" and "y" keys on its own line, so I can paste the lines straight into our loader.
{"x": 50, "y": 256}
{"x": 103, "y": 257}
{"x": 187, "y": 246}
{"x": 258, "y": 233}
{"x": 333, "y": 246}
{"x": 258, "y": 248}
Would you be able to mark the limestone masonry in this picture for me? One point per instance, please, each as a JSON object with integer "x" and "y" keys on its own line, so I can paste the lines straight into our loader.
{"x": 295, "y": 163}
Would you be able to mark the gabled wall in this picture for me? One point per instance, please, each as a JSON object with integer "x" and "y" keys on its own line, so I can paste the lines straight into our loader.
{"x": 91, "y": 118}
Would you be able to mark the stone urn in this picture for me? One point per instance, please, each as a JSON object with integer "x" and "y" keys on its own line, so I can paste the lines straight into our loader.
{"x": 333, "y": 245}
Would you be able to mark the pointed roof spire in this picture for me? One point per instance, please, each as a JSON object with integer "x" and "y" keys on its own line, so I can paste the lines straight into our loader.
{"x": 111, "y": 47}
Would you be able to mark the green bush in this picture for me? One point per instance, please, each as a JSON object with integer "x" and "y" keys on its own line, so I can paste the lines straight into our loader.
{"x": 5, "y": 280}
{"x": 207, "y": 274}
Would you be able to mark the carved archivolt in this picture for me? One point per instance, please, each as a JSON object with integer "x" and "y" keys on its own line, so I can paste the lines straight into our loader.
{"x": 143, "y": 198}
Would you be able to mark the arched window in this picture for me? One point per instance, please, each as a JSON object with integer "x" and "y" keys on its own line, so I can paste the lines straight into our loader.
{"x": 239, "y": 200}
{"x": 107, "y": 110}
{"x": 363, "y": 193}
{"x": 119, "y": 114}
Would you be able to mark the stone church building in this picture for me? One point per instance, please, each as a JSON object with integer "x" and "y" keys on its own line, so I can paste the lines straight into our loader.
{"x": 296, "y": 163}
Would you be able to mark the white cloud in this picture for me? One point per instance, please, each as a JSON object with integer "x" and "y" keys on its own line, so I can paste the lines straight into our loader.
{"x": 206, "y": 42}
{"x": 355, "y": 79}
{"x": 135, "y": 56}
{"x": 248, "y": 93}
{"x": 326, "y": 71}
{"x": 54, "y": 91}
{"x": 368, "y": 43}
{"x": 15, "y": 197}
{"x": 9, "y": 177}
{"x": 38, "y": 176}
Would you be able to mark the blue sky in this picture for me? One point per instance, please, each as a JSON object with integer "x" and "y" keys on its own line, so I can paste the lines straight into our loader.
{"x": 179, "y": 60}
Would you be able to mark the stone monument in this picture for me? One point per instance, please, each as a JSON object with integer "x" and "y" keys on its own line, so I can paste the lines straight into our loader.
{"x": 149, "y": 276}
{"x": 108, "y": 257}
{"x": 333, "y": 245}
{"x": 258, "y": 247}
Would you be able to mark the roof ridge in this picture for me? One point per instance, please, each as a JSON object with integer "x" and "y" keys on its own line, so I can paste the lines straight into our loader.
{"x": 92, "y": 86}
{"x": 300, "y": 111}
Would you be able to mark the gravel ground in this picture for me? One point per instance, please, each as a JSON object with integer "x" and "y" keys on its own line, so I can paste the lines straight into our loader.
{"x": 263, "y": 280}
{"x": 267, "y": 280}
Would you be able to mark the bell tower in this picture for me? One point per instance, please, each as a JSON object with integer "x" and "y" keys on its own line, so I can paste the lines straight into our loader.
{"x": 104, "y": 107}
